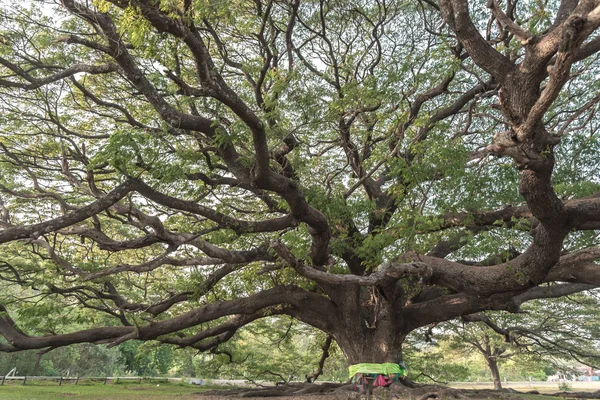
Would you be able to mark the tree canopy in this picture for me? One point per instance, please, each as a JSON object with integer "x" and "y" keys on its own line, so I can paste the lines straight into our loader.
{"x": 175, "y": 170}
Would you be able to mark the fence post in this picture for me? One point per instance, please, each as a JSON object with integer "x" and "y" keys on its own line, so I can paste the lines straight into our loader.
{"x": 3, "y": 379}
{"x": 24, "y": 380}
{"x": 105, "y": 379}
{"x": 77, "y": 380}
{"x": 60, "y": 381}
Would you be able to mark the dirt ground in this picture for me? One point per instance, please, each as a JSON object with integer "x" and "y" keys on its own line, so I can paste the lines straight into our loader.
{"x": 468, "y": 395}
{"x": 354, "y": 396}
{"x": 515, "y": 391}
{"x": 304, "y": 397}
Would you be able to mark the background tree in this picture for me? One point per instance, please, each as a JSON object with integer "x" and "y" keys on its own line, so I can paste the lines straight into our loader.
{"x": 551, "y": 331}
{"x": 490, "y": 346}
{"x": 175, "y": 173}
{"x": 75, "y": 360}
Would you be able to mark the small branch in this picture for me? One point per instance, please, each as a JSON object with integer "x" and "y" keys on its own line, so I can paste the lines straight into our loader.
{"x": 456, "y": 14}
{"x": 313, "y": 377}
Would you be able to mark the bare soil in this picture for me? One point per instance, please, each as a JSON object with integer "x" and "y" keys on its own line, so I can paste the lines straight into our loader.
{"x": 302, "y": 397}
{"x": 427, "y": 392}
{"x": 396, "y": 391}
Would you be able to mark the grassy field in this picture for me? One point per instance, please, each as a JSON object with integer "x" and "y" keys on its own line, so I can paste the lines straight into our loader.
{"x": 126, "y": 391}
{"x": 542, "y": 387}
{"x": 177, "y": 391}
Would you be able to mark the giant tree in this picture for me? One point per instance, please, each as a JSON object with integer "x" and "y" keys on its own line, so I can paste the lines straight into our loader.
{"x": 174, "y": 170}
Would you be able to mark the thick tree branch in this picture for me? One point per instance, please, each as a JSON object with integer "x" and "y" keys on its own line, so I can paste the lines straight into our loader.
{"x": 385, "y": 274}
{"x": 508, "y": 23}
{"x": 237, "y": 225}
{"x": 551, "y": 292}
{"x": 456, "y": 14}
{"x": 291, "y": 295}
{"x": 35, "y": 83}
{"x": 36, "y": 230}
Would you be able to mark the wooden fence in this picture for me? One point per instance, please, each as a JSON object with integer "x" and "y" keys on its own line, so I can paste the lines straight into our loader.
{"x": 77, "y": 379}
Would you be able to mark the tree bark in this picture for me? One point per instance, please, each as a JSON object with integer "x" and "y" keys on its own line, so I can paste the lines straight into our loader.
{"x": 38, "y": 360}
{"x": 377, "y": 346}
{"x": 313, "y": 377}
{"x": 493, "y": 365}
{"x": 371, "y": 329}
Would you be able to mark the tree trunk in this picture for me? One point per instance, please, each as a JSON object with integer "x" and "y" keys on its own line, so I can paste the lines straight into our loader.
{"x": 376, "y": 339}
{"x": 313, "y": 377}
{"x": 372, "y": 346}
{"x": 369, "y": 328}
{"x": 491, "y": 362}
{"x": 38, "y": 360}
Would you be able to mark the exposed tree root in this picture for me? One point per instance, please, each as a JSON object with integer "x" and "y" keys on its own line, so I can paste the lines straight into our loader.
{"x": 394, "y": 391}
{"x": 344, "y": 391}
{"x": 579, "y": 395}
{"x": 290, "y": 389}
{"x": 424, "y": 392}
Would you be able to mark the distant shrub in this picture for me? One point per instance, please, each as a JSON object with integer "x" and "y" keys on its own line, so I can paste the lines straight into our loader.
{"x": 564, "y": 386}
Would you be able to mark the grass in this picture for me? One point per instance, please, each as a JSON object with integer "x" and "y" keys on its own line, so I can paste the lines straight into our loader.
{"x": 542, "y": 387}
{"x": 122, "y": 391}
{"x": 144, "y": 392}
{"x": 177, "y": 391}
